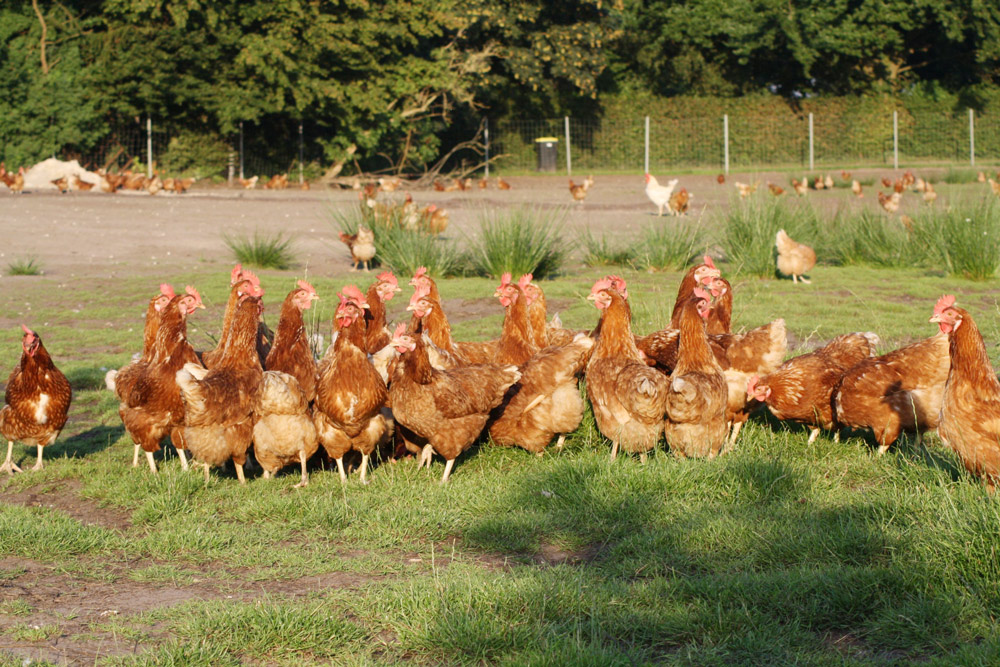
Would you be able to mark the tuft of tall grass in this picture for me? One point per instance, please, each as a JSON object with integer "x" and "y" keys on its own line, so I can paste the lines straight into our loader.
{"x": 520, "y": 240}
{"x": 959, "y": 175}
{"x": 602, "y": 251}
{"x": 667, "y": 247}
{"x": 870, "y": 238}
{"x": 266, "y": 251}
{"x": 24, "y": 266}
{"x": 964, "y": 238}
{"x": 749, "y": 229}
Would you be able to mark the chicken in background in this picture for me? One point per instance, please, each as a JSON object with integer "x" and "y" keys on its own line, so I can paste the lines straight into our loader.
{"x": 36, "y": 401}
{"x": 291, "y": 353}
{"x": 845, "y": 175}
{"x": 680, "y": 201}
{"x": 82, "y": 186}
{"x": 697, "y": 394}
{"x": 775, "y": 190}
{"x": 628, "y": 397}
{"x": 896, "y": 392}
{"x": 886, "y": 182}
{"x": 219, "y": 404}
{"x": 389, "y": 184}
{"x": 283, "y": 429}
{"x": 857, "y": 189}
{"x": 794, "y": 259}
{"x": 660, "y": 194}
{"x": 362, "y": 246}
{"x": 981, "y": 177}
{"x": 819, "y": 183}
{"x": 435, "y": 219}
{"x": 801, "y": 389}
{"x": 248, "y": 183}
{"x": 579, "y": 191}
{"x": 484, "y": 183}
{"x": 277, "y": 182}
{"x": 721, "y": 179}
{"x": 154, "y": 185}
{"x": 801, "y": 187}
{"x": 890, "y": 202}
{"x": 746, "y": 189}
{"x": 62, "y": 184}
{"x": 445, "y": 409}
{"x": 994, "y": 186}
{"x": 970, "y": 408}
{"x": 930, "y": 195}
{"x": 828, "y": 182}
{"x": 350, "y": 393}
{"x": 502, "y": 184}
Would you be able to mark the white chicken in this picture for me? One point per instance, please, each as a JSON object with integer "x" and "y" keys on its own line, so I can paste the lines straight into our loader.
{"x": 660, "y": 194}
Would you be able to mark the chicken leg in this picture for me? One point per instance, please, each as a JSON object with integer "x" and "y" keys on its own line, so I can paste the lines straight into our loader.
{"x": 561, "y": 441}
{"x": 135, "y": 456}
{"x": 9, "y": 466}
{"x": 305, "y": 474}
{"x": 364, "y": 468}
{"x": 813, "y": 435}
{"x": 239, "y": 474}
{"x": 38, "y": 464}
{"x": 447, "y": 470}
{"x": 340, "y": 469}
{"x": 152, "y": 463}
{"x": 184, "y": 459}
{"x": 426, "y": 455}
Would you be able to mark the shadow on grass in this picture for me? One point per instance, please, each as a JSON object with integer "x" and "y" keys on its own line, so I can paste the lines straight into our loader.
{"x": 91, "y": 441}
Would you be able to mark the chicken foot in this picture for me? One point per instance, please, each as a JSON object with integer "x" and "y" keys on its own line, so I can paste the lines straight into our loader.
{"x": 305, "y": 474}
{"x": 447, "y": 470}
{"x": 239, "y": 473}
{"x": 426, "y": 455}
{"x": 340, "y": 469}
{"x": 364, "y": 468}
{"x": 38, "y": 464}
{"x": 813, "y": 435}
{"x": 152, "y": 463}
{"x": 9, "y": 466}
{"x": 561, "y": 441}
{"x": 135, "y": 456}
{"x": 184, "y": 459}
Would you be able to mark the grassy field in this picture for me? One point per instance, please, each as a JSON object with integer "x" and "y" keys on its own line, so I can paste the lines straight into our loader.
{"x": 780, "y": 552}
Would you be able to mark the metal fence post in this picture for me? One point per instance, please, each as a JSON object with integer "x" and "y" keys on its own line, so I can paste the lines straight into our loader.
{"x": 486, "y": 139}
{"x": 231, "y": 167}
{"x": 645, "y": 162}
{"x": 972, "y": 138}
{"x": 895, "y": 139}
{"x": 241, "y": 150}
{"x": 149, "y": 147}
{"x": 812, "y": 152}
{"x": 301, "y": 177}
{"x": 725, "y": 141}
{"x": 569, "y": 158}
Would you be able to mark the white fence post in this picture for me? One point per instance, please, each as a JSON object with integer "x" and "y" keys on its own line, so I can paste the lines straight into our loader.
{"x": 569, "y": 157}
{"x": 812, "y": 152}
{"x": 486, "y": 139}
{"x": 725, "y": 141}
{"x": 149, "y": 147}
{"x": 301, "y": 176}
{"x": 241, "y": 150}
{"x": 895, "y": 139}
{"x": 972, "y": 138}
{"x": 645, "y": 162}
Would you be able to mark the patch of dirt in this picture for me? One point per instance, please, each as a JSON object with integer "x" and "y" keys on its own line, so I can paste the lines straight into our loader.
{"x": 64, "y": 496}
{"x": 460, "y": 310}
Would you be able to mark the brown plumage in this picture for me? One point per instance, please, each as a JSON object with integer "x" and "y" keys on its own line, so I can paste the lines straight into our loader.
{"x": 896, "y": 392}
{"x": 516, "y": 344}
{"x": 543, "y": 333}
{"x": 627, "y": 395}
{"x": 970, "y": 409}
{"x": 380, "y": 292}
{"x": 435, "y": 324}
{"x": 219, "y": 403}
{"x": 801, "y": 389}
{"x": 446, "y": 409}
{"x": 794, "y": 259}
{"x": 291, "y": 353}
{"x": 720, "y": 314}
{"x": 241, "y": 282}
{"x": 696, "y": 396}
{"x": 151, "y": 407}
{"x": 283, "y": 430}
{"x": 697, "y": 275}
{"x": 350, "y": 393}
{"x": 36, "y": 401}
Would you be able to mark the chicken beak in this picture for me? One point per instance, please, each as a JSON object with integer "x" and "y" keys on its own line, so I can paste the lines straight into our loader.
{"x": 592, "y": 297}
{"x": 936, "y": 317}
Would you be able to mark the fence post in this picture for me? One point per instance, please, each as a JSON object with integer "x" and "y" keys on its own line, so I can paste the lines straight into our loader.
{"x": 645, "y": 162}
{"x": 569, "y": 158}
{"x": 241, "y": 150}
{"x": 725, "y": 142}
{"x": 301, "y": 178}
{"x": 812, "y": 154}
{"x": 895, "y": 139}
{"x": 231, "y": 168}
{"x": 486, "y": 139}
{"x": 149, "y": 147}
{"x": 972, "y": 138}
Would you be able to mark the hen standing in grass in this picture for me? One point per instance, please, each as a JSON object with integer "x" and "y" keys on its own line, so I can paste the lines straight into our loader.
{"x": 291, "y": 353}
{"x": 37, "y": 401}
{"x": 362, "y": 246}
{"x": 794, "y": 259}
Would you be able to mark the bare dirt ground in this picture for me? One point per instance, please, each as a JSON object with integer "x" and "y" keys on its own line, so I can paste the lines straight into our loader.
{"x": 91, "y": 235}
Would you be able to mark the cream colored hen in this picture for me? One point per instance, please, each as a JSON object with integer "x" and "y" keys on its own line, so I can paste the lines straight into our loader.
{"x": 794, "y": 259}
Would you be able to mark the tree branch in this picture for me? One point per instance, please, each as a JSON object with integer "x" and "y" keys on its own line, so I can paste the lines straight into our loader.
{"x": 45, "y": 32}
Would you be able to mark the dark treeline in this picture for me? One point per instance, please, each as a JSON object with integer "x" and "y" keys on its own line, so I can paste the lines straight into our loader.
{"x": 383, "y": 83}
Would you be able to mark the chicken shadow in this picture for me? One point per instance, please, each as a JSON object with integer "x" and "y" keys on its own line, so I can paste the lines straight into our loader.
{"x": 85, "y": 443}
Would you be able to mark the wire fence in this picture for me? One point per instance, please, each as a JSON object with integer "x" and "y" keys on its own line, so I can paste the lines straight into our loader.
{"x": 750, "y": 142}
{"x": 743, "y": 141}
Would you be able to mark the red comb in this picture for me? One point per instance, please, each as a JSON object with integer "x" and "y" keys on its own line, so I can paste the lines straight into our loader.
{"x": 234, "y": 275}
{"x": 708, "y": 262}
{"x": 306, "y": 286}
{"x": 193, "y": 292}
{"x": 421, "y": 272}
{"x": 387, "y": 277}
{"x": 400, "y": 330}
{"x": 27, "y": 330}
{"x": 505, "y": 279}
{"x": 944, "y": 303}
{"x": 352, "y": 293}
{"x": 251, "y": 276}
{"x": 602, "y": 284}
{"x": 525, "y": 280}
{"x": 752, "y": 383}
{"x": 167, "y": 290}
{"x": 702, "y": 294}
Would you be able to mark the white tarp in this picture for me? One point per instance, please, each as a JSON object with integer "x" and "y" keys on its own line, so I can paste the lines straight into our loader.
{"x": 40, "y": 176}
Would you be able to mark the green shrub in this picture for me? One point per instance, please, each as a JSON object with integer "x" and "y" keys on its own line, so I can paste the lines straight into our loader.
{"x": 670, "y": 246}
{"x": 24, "y": 266}
{"x": 601, "y": 251}
{"x": 261, "y": 250}
{"x": 520, "y": 240}
{"x": 958, "y": 175}
{"x": 871, "y": 238}
{"x": 963, "y": 239}
{"x": 750, "y": 226}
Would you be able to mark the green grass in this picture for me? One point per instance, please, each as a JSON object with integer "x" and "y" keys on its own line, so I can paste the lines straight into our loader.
{"x": 604, "y": 251}
{"x": 519, "y": 240}
{"x": 750, "y": 226}
{"x": 961, "y": 176}
{"x": 781, "y": 552}
{"x": 670, "y": 246}
{"x": 24, "y": 266}
{"x": 265, "y": 251}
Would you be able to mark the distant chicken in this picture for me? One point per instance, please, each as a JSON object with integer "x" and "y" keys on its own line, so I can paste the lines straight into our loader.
{"x": 484, "y": 183}
{"x": 82, "y": 186}
{"x": 248, "y": 183}
{"x": 801, "y": 388}
{"x": 981, "y": 177}
{"x": 680, "y": 201}
{"x": 846, "y": 175}
{"x": 794, "y": 259}
{"x": 62, "y": 184}
{"x": 801, "y": 187}
{"x": 890, "y": 203}
{"x": 886, "y": 182}
{"x": 896, "y": 392}
{"x": 660, "y": 194}
{"x": 828, "y": 182}
{"x": 502, "y": 184}
{"x": 776, "y": 190}
{"x": 930, "y": 195}
{"x": 579, "y": 190}
{"x": 720, "y": 179}
{"x": 745, "y": 189}
{"x": 362, "y": 246}
{"x": 857, "y": 189}
{"x": 994, "y": 186}
{"x": 436, "y": 219}
{"x": 819, "y": 183}
{"x": 36, "y": 401}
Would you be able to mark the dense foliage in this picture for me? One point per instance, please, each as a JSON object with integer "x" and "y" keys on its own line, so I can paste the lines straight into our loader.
{"x": 381, "y": 83}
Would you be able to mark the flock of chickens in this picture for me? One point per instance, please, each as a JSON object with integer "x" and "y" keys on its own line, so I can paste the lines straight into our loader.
{"x": 415, "y": 389}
